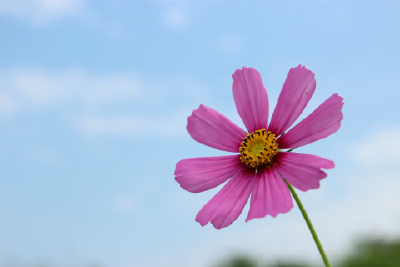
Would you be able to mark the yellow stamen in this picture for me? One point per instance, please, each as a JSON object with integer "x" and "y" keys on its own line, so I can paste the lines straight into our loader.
{"x": 258, "y": 148}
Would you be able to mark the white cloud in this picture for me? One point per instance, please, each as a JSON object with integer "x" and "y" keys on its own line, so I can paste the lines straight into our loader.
{"x": 125, "y": 204}
{"x": 7, "y": 105}
{"x": 175, "y": 17}
{"x": 26, "y": 90}
{"x": 102, "y": 104}
{"x": 379, "y": 147}
{"x": 41, "y": 11}
{"x": 120, "y": 125}
{"x": 171, "y": 125}
{"x": 43, "y": 154}
{"x": 179, "y": 14}
{"x": 230, "y": 43}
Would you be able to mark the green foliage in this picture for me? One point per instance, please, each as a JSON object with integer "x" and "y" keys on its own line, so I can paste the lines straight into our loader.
{"x": 246, "y": 261}
{"x": 288, "y": 264}
{"x": 374, "y": 253}
{"x": 367, "y": 253}
{"x": 239, "y": 261}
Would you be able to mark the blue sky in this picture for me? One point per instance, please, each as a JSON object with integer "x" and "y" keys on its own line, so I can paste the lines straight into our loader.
{"x": 94, "y": 97}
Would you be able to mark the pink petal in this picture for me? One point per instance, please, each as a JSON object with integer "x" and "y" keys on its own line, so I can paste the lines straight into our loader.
{"x": 251, "y": 98}
{"x": 296, "y": 92}
{"x": 201, "y": 174}
{"x": 211, "y": 128}
{"x": 226, "y": 206}
{"x": 324, "y": 121}
{"x": 303, "y": 171}
{"x": 270, "y": 195}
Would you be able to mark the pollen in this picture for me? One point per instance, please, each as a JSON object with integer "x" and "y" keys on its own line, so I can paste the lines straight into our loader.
{"x": 258, "y": 149}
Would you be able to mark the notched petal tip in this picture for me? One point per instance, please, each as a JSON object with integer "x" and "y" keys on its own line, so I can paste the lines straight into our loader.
{"x": 303, "y": 68}
{"x": 337, "y": 98}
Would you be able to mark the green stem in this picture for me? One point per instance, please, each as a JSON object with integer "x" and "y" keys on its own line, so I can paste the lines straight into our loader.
{"x": 310, "y": 226}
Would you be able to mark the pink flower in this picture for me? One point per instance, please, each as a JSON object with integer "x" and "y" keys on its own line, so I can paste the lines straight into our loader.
{"x": 260, "y": 165}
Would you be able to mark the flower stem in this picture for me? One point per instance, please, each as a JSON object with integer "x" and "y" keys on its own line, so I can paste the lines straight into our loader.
{"x": 310, "y": 226}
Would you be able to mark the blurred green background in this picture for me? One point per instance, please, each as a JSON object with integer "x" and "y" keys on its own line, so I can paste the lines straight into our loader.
{"x": 366, "y": 253}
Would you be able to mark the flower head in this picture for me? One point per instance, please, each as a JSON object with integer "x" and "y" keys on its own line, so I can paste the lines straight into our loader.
{"x": 260, "y": 165}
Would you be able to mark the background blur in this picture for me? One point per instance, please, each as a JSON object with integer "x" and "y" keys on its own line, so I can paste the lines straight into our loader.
{"x": 94, "y": 97}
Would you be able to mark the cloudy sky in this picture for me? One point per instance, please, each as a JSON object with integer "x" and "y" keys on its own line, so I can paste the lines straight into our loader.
{"x": 94, "y": 97}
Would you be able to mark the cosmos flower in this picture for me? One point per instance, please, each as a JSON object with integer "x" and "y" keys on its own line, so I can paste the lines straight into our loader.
{"x": 259, "y": 165}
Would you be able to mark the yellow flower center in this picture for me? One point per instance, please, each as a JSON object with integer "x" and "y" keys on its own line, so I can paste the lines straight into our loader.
{"x": 258, "y": 148}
